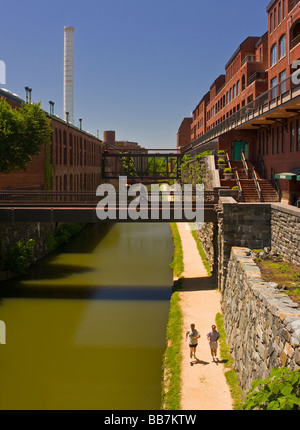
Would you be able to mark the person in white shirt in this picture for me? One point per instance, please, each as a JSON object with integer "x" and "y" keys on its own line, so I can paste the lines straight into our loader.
{"x": 193, "y": 336}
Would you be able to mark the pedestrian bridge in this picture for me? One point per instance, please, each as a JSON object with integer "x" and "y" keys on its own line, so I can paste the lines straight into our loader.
{"x": 83, "y": 207}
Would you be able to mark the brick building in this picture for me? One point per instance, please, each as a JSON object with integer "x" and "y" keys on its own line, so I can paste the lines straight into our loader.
{"x": 254, "y": 107}
{"x": 71, "y": 163}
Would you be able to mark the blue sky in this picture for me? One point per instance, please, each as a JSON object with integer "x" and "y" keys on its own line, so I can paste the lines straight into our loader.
{"x": 141, "y": 66}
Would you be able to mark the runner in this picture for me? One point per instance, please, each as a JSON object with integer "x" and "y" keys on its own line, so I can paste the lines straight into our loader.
{"x": 213, "y": 337}
{"x": 193, "y": 335}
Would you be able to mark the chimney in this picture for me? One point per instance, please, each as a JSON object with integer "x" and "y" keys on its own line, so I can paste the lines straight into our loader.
{"x": 69, "y": 74}
{"x": 51, "y": 107}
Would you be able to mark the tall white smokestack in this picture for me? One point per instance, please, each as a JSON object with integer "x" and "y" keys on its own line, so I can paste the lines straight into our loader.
{"x": 69, "y": 74}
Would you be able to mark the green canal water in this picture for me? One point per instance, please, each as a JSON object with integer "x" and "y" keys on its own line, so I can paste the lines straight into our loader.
{"x": 85, "y": 329}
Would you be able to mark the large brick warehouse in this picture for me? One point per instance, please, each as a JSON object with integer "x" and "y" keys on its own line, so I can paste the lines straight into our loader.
{"x": 253, "y": 110}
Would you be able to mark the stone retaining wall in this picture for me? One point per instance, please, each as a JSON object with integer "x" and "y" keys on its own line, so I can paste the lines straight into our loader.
{"x": 285, "y": 231}
{"x": 11, "y": 233}
{"x": 261, "y": 324}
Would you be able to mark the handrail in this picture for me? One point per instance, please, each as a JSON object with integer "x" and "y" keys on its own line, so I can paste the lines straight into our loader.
{"x": 245, "y": 164}
{"x": 262, "y": 166}
{"x": 237, "y": 178}
{"x": 258, "y": 189}
{"x": 275, "y": 185}
{"x": 228, "y": 160}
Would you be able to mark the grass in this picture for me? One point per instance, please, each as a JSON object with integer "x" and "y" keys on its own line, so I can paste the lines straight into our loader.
{"x": 283, "y": 273}
{"x": 230, "y": 374}
{"x": 173, "y": 357}
{"x": 177, "y": 262}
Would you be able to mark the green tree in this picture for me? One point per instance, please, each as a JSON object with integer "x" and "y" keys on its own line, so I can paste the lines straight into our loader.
{"x": 128, "y": 167}
{"x": 22, "y": 134}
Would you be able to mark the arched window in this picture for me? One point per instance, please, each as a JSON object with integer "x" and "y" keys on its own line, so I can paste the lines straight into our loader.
{"x": 274, "y": 54}
{"x": 282, "y": 46}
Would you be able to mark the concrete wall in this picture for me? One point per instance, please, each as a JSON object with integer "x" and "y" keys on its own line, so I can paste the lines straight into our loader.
{"x": 262, "y": 325}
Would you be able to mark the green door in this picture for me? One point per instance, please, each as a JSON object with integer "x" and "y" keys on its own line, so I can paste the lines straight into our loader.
{"x": 238, "y": 148}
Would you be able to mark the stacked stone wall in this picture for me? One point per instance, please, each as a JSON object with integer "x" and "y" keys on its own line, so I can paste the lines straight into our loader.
{"x": 262, "y": 325}
{"x": 285, "y": 232}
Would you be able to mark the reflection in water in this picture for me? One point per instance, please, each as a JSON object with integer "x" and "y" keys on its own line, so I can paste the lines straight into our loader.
{"x": 102, "y": 350}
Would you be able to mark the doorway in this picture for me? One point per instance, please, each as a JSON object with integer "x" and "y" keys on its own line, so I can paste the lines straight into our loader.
{"x": 237, "y": 148}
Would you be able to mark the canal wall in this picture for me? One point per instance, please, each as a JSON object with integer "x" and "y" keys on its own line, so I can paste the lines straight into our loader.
{"x": 262, "y": 326}
{"x": 46, "y": 237}
{"x": 12, "y": 233}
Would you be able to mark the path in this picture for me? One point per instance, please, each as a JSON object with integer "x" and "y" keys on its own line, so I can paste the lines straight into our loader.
{"x": 204, "y": 386}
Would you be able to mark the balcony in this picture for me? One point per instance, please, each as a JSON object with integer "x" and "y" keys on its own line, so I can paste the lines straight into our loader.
{"x": 252, "y": 59}
{"x": 295, "y": 41}
{"x": 282, "y": 93}
{"x": 257, "y": 76}
{"x": 292, "y": 4}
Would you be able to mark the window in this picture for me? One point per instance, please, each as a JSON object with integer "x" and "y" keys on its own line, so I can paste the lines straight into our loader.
{"x": 292, "y": 137}
{"x": 234, "y": 91}
{"x": 271, "y": 22}
{"x": 274, "y": 54}
{"x": 282, "y": 78}
{"x": 283, "y": 9}
{"x": 282, "y": 46}
{"x": 275, "y": 18}
{"x": 230, "y": 97}
{"x": 273, "y": 85}
{"x": 279, "y": 13}
{"x": 238, "y": 87}
{"x": 227, "y": 97}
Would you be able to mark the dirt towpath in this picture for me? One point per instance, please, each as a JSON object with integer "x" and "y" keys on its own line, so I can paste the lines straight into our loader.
{"x": 204, "y": 386}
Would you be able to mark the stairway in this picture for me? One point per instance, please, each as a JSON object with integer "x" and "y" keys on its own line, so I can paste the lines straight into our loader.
{"x": 249, "y": 190}
{"x": 248, "y": 185}
{"x": 268, "y": 192}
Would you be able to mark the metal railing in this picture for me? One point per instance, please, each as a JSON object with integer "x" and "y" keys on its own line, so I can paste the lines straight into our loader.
{"x": 237, "y": 178}
{"x": 252, "y": 59}
{"x": 295, "y": 41}
{"x": 258, "y": 105}
{"x": 81, "y": 199}
{"x": 258, "y": 189}
{"x": 292, "y": 4}
{"x": 245, "y": 164}
{"x": 275, "y": 185}
{"x": 261, "y": 165}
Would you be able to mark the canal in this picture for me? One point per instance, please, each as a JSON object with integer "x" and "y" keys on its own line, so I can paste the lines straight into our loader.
{"x": 85, "y": 329}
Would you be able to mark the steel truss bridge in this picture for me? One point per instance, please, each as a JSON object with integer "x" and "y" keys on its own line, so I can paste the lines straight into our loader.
{"x": 141, "y": 164}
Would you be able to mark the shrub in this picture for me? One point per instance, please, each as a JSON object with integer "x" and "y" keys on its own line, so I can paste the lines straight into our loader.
{"x": 17, "y": 257}
{"x": 221, "y": 161}
{"x": 281, "y": 391}
{"x": 227, "y": 170}
{"x": 221, "y": 152}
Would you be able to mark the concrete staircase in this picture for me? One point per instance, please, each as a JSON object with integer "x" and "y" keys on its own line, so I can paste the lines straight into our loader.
{"x": 250, "y": 193}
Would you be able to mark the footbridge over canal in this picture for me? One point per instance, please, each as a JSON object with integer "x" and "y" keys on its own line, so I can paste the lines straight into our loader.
{"x": 82, "y": 207}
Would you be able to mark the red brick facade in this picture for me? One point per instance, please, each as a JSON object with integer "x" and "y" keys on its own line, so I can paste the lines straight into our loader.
{"x": 72, "y": 164}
